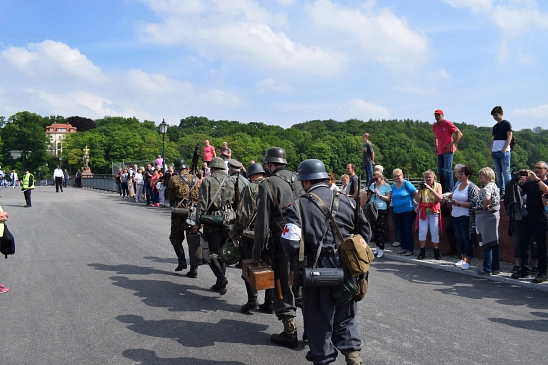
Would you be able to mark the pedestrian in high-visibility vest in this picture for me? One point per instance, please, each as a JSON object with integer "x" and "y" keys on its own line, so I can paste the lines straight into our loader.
{"x": 27, "y": 186}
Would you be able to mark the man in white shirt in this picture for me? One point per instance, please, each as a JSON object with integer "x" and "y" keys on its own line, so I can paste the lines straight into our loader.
{"x": 58, "y": 176}
{"x": 14, "y": 178}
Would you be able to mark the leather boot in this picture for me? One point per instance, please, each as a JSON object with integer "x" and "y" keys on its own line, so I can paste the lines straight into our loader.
{"x": 222, "y": 281}
{"x": 437, "y": 255}
{"x": 178, "y": 247}
{"x": 288, "y": 337}
{"x": 353, "y": 358}
{"x": 268, "y": 305}
{"x": 193, "y": 272}
{"x": 251, "y": 298}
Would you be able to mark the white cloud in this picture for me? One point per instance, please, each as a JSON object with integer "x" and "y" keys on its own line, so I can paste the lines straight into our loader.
{"x": 536, "y": 112}
{"x": 526, "y": 58}
{"x": 238, "y": 31}
{"x": 474, "y": 5}
{"x": 47, "y": 58}
{"x": 514, "y": 20}
{"x": 440, "y": 74}
{"x": 381, "y": 35}
{"x": 503, "y": 52}
{"x": 511, "y": 16}
{"x": 272, "y": 85}
{"x": 286, "y": 2}
{"x": 41, "y": 78}
{"x": 361, "y": 109}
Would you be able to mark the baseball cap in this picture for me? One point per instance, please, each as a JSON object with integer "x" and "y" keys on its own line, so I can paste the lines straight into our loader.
{"x": 439, "y": 111}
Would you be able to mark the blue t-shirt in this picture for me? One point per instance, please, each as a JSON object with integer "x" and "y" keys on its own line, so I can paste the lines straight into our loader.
{"x": 402, "y": 198}
{"x": 385, "y": 188}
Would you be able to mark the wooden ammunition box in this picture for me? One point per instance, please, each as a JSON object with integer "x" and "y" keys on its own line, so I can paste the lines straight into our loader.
{"x": 259, "y": 276}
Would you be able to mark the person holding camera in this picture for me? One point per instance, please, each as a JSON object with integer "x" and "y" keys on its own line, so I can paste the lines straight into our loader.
{"x": 331, "y": 327}
{"x": 462, "y": 214}
{"x": 429, "y": 197}
{"x": 534, "y": 223}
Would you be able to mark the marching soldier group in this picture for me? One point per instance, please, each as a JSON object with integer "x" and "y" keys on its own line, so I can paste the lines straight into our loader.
{"x": 264, "y": 223}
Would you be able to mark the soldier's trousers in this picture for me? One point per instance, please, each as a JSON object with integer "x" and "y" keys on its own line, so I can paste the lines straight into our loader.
{"x": 330, "y": 327}
{"x": 177, "y": 236}
{"x": 215, "y": 240}
{"x": 286, "y": 307}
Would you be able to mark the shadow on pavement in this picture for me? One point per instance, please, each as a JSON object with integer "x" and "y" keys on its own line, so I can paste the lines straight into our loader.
{"x": 465, "y": 286}
{"x": 123, "y": 269}
{"x": 175, "y": 297}
{"x": 148, "y": 357}
{"x": 162, "y": 260}
{"x": 199, "y": 334}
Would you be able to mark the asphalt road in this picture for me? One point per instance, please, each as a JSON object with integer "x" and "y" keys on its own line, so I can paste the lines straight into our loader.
{"x": 92, "y": 282}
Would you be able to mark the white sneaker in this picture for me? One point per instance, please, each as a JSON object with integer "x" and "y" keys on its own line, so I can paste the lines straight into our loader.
{"x": 459, "y": 264}
{"x": 465, "y": 266}
{"x": 380, "y": 253}
{"x": 396, "y": 244}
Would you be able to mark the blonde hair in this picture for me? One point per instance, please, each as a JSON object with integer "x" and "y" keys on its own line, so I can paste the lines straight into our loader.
{"x": 488, "y": 173}
{"x": 397, "y": 172}
{"x": 430, "y": 172}
{"x": 379, "y": 168}
{"x": 346, "y": 176}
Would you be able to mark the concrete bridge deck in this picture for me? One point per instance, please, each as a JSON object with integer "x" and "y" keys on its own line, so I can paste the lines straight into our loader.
{"x": 92, "y": 282}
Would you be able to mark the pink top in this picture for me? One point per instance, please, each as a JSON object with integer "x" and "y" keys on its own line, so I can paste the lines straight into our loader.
{"x": 159, "y": 162}
{"x": 208, "y": 152}
{"x": 444, "y": 135}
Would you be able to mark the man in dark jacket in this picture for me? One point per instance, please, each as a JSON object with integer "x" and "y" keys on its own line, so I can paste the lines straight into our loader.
{"x": 275, "y": 193}
{"x": 330, "y": 327}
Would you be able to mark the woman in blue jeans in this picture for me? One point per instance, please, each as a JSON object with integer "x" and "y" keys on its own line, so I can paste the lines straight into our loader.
{"x": 462, "y": 214}
{"x": 404, "y": 212}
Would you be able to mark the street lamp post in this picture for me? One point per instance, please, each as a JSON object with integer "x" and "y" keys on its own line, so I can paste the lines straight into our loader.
{"x": 60, "y": 161}
{"x": 163, "y": 130}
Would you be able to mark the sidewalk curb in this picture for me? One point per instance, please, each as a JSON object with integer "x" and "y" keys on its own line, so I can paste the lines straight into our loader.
{"x": 503, "y": 277}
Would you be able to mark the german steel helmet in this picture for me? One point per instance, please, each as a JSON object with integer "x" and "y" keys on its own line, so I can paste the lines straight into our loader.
{"x": 217, "y": 163}
{"x": 311, "y": 170}
{"x": 230, "y": 254}
{"x": 179, "y": 164}
{"x": 255, "y": 168}
{"x": 276, "y": 155}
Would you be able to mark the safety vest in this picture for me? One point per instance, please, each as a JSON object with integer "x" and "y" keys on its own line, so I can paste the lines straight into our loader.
{"x": 28, "y": 182}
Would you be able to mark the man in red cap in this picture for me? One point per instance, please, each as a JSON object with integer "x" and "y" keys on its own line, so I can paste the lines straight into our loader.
{"x": 446, "y": 136}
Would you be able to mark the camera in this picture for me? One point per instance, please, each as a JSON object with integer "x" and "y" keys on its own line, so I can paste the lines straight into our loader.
{"x": 422, "y": 185}
{"x": 523, "y": 173}
{"x": 545, "y": 196}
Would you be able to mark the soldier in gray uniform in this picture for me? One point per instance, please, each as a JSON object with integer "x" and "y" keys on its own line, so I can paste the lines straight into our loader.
{"x": 215, "y": 198}
{"x": 275, "y": 193}
{"x": 182, "y": 192}
{"x": 234, "y": 168}
{"x": 330, "y": 327}
{"x": 243, "y": 226}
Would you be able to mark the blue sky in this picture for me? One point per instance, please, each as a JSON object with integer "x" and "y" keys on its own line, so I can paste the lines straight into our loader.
{"x": 278, "y": 62}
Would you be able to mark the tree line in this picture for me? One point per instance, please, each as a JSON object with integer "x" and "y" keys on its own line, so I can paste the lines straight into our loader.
{"x": 404, "y": 144}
